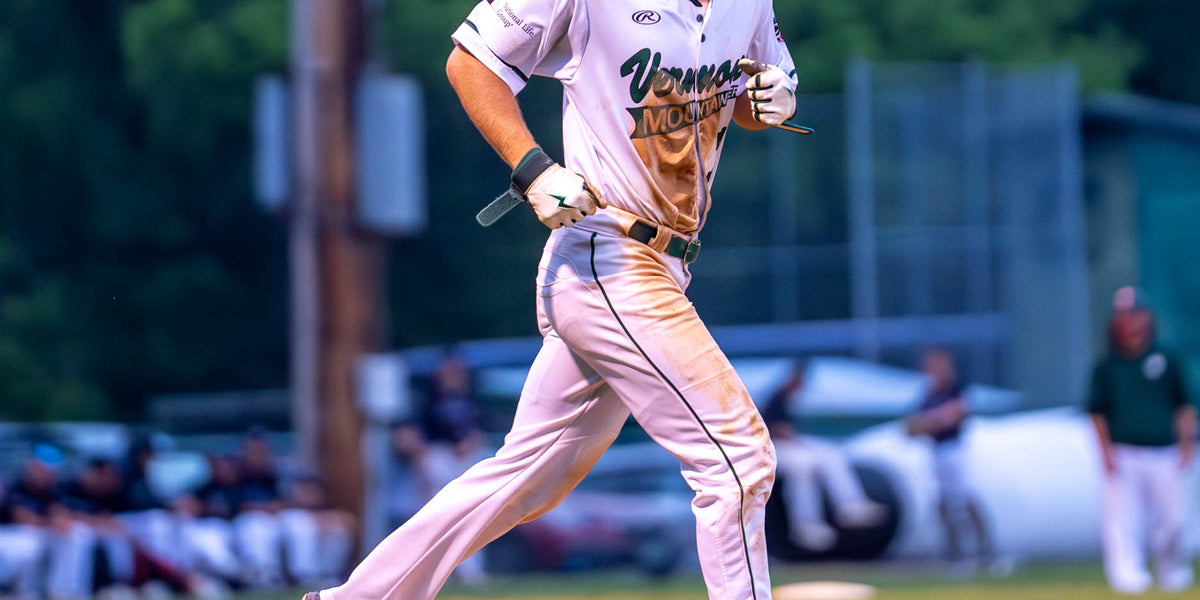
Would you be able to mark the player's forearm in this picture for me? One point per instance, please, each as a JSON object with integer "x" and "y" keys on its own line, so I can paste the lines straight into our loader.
{"x": 1100, "y": 423}
{"x": 491, "y": 106}
{"x": 1185, "y": 425}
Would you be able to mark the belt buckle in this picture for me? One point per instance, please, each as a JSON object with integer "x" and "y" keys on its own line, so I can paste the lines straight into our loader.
{"x": 692, "y": 252}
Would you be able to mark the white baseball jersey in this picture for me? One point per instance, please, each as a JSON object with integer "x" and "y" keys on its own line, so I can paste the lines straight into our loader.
{"x": 641, "y": 115}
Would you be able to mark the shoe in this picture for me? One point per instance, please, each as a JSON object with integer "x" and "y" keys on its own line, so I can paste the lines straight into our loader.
{"x": 117, "y": 591}
{"x": 208, "y": 588}
{"x": 815, "y": 536}
{"x": 862, "y": 514}
{"x": 1000, "y": 567}
{"x": 1176, "y": 581}
{"x": 312, "y": 596}
{"x": 155, "y": 590}
{"x": 962, "y": 569}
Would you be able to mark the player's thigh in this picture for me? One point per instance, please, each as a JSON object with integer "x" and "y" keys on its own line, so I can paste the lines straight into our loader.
{"x": 562, "y": 393}
{"x": 566, "y": 418}
{"x": 646, "y": 341}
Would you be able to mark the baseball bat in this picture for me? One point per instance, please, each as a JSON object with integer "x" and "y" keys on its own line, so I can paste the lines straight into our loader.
{"x": 499, "y": 207}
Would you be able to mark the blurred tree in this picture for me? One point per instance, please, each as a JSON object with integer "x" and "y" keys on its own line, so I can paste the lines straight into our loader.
{"x": 824, "y": 34}
{"x": 459, "y": 281}
{"x": 1166, "y": 30}
{"x": 135, "y": 261}
{"x": 132, "y": 260}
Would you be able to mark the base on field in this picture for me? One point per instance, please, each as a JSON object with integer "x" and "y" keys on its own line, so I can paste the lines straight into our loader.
{"x": 823, "y": 590}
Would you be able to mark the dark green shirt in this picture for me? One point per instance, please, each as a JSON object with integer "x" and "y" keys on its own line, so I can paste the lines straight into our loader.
{"x": 1139, "y": 397}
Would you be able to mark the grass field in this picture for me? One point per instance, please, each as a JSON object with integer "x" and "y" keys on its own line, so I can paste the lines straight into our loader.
{"x": 893, "y": 581}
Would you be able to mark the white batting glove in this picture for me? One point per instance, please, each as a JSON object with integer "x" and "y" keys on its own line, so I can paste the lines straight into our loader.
{"x": 772, "y": 93}
{"x": 559, "y": 197}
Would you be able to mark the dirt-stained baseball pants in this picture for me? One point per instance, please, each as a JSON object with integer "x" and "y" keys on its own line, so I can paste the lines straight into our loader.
{"x": 620, "y": 337}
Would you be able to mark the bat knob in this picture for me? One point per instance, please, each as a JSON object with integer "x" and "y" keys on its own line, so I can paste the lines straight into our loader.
{"x": 750, "y": 66}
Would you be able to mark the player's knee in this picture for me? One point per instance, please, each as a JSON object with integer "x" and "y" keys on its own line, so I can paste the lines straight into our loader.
{"x": 761, "y": 477}
{"x": 756, "y": 473}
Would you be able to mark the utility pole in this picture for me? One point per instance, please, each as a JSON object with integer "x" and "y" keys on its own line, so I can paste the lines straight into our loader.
{"x": 336, "y": 269}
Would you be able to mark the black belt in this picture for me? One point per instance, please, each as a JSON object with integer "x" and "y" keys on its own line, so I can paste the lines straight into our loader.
{"x": 679, "y": 247}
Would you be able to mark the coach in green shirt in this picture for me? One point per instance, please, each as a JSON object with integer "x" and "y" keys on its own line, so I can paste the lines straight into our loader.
{"x": 1146, "y": 429}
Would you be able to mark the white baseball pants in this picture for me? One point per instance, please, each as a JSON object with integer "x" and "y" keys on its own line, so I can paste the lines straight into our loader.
{"x": 69, "y": 572}
{"x": 806, "y": 463}
{"x": 620, "y": 337}
{"x": 1143, "y": 500}
{"x": 22, "y": 548}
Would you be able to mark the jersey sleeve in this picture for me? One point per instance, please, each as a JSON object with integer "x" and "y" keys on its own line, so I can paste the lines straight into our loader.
{"x": 517, "y": 39}
{"x": 767, "y": 45}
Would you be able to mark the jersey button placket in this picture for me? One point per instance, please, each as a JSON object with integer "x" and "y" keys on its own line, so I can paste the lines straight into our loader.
{"x": 701, "y": 190}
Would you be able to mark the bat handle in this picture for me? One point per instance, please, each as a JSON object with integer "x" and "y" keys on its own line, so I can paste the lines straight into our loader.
{"x": 750, "y": 66}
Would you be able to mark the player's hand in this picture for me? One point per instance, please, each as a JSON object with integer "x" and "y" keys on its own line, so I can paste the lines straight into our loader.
{"x": 559, "y": 197}
{"x": 772, "y": 94}
{"x": 562, "y": 198}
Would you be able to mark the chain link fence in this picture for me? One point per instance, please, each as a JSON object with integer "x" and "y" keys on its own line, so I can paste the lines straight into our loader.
{"x": 937, "y": 204}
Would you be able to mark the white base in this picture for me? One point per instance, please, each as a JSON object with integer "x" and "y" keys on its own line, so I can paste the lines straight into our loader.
{"x": 823, "y": 590}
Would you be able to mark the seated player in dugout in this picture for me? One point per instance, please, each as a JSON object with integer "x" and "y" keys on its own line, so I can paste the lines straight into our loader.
{"x": 808, "y": 466}
{"x": 649, "y": 93}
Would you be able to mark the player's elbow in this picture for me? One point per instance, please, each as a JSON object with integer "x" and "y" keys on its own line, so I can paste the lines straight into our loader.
{"x": 454, "y": 65}
{"x": 461, "y": 67}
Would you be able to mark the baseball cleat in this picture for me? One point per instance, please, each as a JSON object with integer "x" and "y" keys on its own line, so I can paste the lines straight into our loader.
{"x": 862, "y": 514}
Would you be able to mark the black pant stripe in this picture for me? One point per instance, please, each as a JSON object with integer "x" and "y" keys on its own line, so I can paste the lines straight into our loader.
{"x": 695, "y": 415}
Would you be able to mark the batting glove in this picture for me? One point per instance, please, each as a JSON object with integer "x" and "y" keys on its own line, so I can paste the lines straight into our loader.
{"x": 559, "y": 197}
{"x": 772, "y": 93}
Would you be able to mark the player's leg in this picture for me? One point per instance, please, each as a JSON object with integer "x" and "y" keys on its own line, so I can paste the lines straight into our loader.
{"x": 951, "y": 530}
{"x": 22, "y": 548}
{"x": 565, "y": 420}
{"x": 210, "y": 546}
{"x": 71, "y": 567}
{"x": 851, "y": 505}
{"x": 259, "y": 542}
{"x": 954, "y": 497}
{"x": 300, "y": 534}
{"x": 632, "y": 323}
{"x": 1172, "y": 565}
{"x": 802, "y": 496}
{"x": 1124, "y": 559}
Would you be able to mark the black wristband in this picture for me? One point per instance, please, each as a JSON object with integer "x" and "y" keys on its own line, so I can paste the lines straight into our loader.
{"x": 532, "y": 165}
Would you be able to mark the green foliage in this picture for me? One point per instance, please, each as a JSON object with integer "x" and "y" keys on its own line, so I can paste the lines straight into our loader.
{"x": 1166, "y": 32}
{"x": 134, "y": 262}
{"x": 823, "y": 34}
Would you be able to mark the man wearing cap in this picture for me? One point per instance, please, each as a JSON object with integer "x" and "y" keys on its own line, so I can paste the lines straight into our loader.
{"x": 1146, "y": 428}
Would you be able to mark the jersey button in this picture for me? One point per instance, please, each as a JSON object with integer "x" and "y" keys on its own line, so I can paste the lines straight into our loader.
{"x": 703, "y": 38}
{"x": 699, "y": 18}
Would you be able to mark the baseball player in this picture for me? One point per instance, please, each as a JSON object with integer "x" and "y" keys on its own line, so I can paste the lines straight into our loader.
{"x": 941, "y": 416}
{"x": 650, "y": 89}
{"x": 1147, "y": 429}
